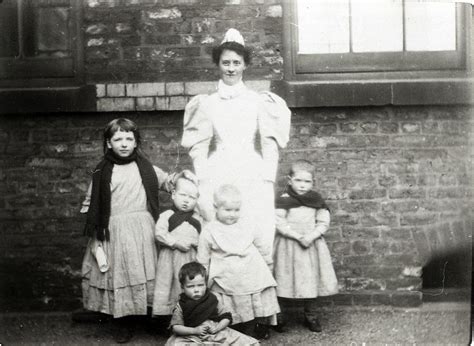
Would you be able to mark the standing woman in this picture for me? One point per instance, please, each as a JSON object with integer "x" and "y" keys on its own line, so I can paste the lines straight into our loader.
{"x": 244, "y": 128}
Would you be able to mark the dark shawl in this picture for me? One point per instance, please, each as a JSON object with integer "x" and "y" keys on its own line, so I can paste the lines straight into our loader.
{"x": 181, "y": 216}
{"x": 196, "y": 312}
{"x": 98, "y": 215}
{"x": 290, "y": 199}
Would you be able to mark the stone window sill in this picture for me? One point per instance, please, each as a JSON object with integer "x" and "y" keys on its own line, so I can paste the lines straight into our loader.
{"x": 446, "y": 91}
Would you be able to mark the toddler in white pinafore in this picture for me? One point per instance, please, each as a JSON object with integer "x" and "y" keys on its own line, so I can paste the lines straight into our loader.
{"x": 239, "y": 265}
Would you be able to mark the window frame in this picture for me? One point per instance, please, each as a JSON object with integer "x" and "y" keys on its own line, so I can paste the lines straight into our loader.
{"x": 46, "y": 73}
{"x": 346, "y": 87}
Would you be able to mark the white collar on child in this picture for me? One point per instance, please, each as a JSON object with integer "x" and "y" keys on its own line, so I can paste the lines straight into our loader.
{"x": 230, "y": 91}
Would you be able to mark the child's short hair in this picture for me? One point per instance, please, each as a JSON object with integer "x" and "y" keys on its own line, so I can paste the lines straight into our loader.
{"x": 191, "y": 270}
{"x": 120, "y": 124}
{"x": 225, "y": 193}
{"x": 302, "y": 165}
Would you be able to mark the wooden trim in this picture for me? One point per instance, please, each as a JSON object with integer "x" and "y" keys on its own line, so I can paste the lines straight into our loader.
{"x": 380, "y": 61}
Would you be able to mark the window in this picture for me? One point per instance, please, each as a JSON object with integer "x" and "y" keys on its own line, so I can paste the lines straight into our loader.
{"x": 381, "y": 35}
{"x": 375, "y": 52}
{"x": 39, "y": 41}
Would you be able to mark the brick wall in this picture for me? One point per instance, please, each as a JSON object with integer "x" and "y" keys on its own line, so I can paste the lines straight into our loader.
{"x": 170, "y": 40}
{"x": 398, "y": 181}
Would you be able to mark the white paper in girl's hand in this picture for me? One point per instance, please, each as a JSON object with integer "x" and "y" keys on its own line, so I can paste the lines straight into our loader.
{"x": 101, "y": 259}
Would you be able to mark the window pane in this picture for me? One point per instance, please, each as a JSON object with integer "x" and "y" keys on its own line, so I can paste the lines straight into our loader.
{"x": 323, "y": 26}
{"x": 9, "y": 28}
{"x": 430, "y": 26}
{"x": 53, "y": 30}
{"x": 46, "y": 28}
{"x": 377, "y": 26}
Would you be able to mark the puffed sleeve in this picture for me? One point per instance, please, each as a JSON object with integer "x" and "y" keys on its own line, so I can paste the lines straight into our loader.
{"x": 197, "y": 133}
{"x": 274, "y": 126}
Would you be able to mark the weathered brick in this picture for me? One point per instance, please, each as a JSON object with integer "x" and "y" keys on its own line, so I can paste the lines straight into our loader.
{"x": 183, "y": 51}
{"x": 369, "y": 127}
{"x": 123, "y": 28}
{"x": 345, "y": 219}
{"x": 411, "y": 127}
{"x": 177, "y": 102}
{"x": 96, "y": 29}
{"x": 145, "y": 89}
{"x": 409, "y": 141}
{"x": 325, "y": 130}
{"x": 164, "y": 13}
{"x": 407, "y": 193}
{"x": 145, "y": 103}
{"x": 162, "y": 40}
{"x": 362, "y": 260}
{"x": 380, "y": 219}
{"x": 381, "y": 298}
{"x": 45, "y": 162}
{"x": 407, "y": 299}
{"x": 363, "y": 299}
{"x": 343, "y": 299}
{"x": 174, "y": 88}
{"x": 380, "y": 271}
{"x": 161, "y": 103}
{"x": 418, "y": 219}
{"x": 349, "y": 127}
{"x": 115, "y": 104}
{"x": 388, "y": 127}
{"x": 195, "y": 88}
{"x": 100, "y": 90}
{"x": 368, "y": 193}
{"x": 352, "y": 232}
{"x": 359, "y": 206}
{"x": 274, "y": 11}
{"x": 360, "y": 247}
{"x": 399, "y": 259}
{"x": 339, "y": 248}
{"x": 115, "y": 90}
{"x": 398, "y": 233}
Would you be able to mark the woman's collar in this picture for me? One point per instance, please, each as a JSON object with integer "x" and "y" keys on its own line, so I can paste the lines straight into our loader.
{"x": 230, "y": 91}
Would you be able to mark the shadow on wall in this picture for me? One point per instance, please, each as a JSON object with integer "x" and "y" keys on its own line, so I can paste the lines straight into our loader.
{"x": 449, "y": 269}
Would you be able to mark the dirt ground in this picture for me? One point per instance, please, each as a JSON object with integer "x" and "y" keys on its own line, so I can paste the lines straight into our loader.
{"x": 432, "y": 323}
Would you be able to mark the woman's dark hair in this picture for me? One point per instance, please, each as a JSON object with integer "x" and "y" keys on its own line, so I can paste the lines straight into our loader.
{"x": 191, "y": 270}
{"x": 233, "y": 46}
{"x": 122, "y": 124}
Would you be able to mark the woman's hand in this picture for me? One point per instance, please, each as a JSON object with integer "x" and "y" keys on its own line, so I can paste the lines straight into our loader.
{"x": 190, "y": 175}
